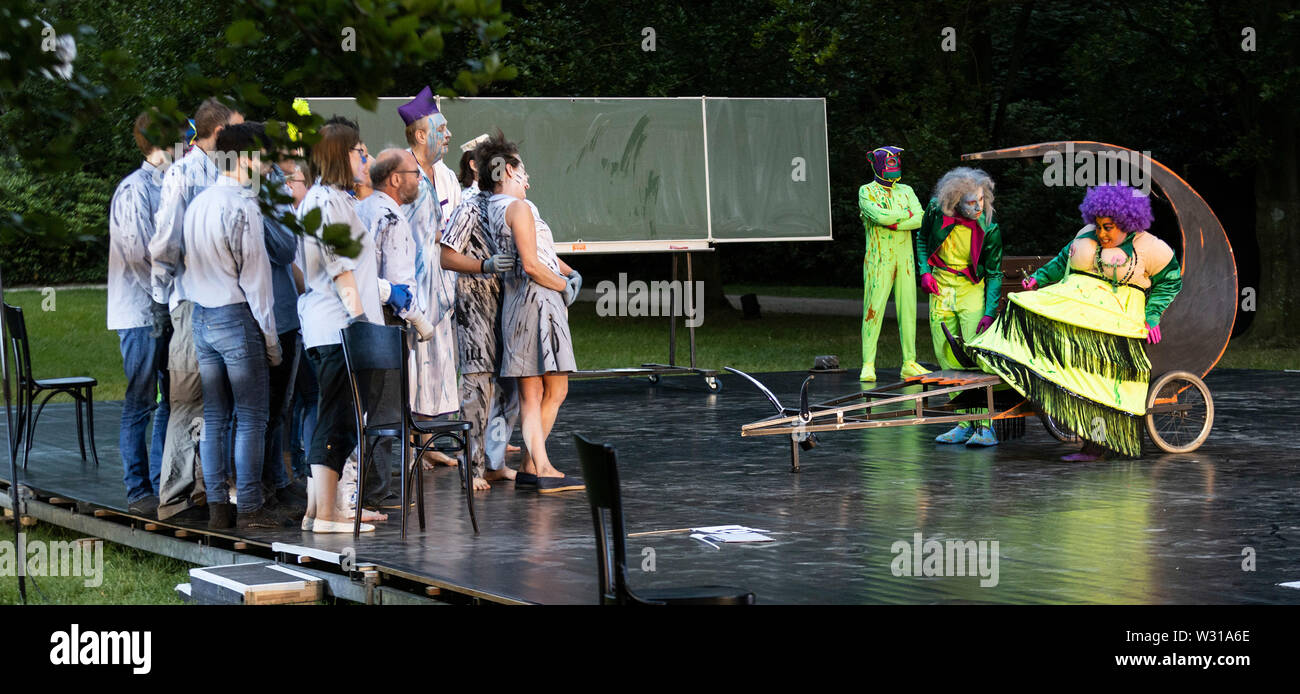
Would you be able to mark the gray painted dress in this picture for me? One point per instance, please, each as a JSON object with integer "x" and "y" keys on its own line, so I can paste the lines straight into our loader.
{"x": 534, "y": 320}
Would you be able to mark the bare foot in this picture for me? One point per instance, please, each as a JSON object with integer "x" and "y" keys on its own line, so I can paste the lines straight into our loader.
{"x": 481, "y": 485}
{"x": 431, "y": 459}
{"x": 504, "y": 473}
{"x": 512, "y": 449}
{"x": 367, "y": 516}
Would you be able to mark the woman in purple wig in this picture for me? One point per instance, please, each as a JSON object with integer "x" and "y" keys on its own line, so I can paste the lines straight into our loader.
{"x": 1074, "y": 347}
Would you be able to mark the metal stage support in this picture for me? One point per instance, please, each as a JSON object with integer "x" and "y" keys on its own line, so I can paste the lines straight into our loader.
{"x": 651, "y": 371}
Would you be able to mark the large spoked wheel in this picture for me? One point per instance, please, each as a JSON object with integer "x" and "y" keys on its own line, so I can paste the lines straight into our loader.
{"x": 1180, "y": 412}
{"x": 1059, "y": 431}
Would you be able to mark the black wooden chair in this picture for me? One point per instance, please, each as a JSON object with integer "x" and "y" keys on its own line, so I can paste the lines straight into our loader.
{"x": 80, "y": 388}
{"x": 368, "y": 347}
{"x": 600, "y": 472}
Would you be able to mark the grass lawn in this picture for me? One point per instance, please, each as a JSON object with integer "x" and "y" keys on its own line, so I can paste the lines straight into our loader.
{"x": 129, "y": 576}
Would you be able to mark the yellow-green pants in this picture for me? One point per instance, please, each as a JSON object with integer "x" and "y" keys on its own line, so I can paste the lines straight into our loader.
{"x": 960, "y": 306}
{"x": 888, "y": 268}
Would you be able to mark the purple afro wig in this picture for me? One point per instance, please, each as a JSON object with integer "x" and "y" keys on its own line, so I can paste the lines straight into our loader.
{"x": 1130, "y": 208}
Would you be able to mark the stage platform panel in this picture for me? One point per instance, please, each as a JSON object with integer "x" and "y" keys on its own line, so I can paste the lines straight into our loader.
{"x": 1163, "y": 529}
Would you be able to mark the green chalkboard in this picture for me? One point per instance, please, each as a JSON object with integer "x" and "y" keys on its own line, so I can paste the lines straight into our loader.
{"x": 768, "y": 170}
{"x": 634, "y": 174}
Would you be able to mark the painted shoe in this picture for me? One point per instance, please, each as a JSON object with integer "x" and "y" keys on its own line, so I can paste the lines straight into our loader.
{"x": 958, "y": 434}
{"x": 548, "y": 485}
{"x": 983, "y": 437}
{"x": 868, "y": 373}
{"x": 911, "y": 368}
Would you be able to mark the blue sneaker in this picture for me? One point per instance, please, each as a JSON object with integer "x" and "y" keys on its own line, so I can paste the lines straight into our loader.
{"x": 957, "y": 434}
{"x": 983, "y": 436}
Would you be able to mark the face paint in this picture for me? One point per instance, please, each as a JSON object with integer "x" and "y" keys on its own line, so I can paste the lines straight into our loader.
{"x": 971, "y": 206}
{"x": 437, "y": 142}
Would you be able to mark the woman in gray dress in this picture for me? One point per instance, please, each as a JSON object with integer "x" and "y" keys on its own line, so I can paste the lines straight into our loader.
{"x": 537, "y": 348}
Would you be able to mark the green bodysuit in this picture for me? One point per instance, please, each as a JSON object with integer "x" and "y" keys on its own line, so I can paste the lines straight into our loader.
{"x": 888, "y": 265}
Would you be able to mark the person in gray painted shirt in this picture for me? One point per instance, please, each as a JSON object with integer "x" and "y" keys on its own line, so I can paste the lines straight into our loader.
{"x": 227, "y": 278}
{"x": 181, "y": 478}
{"x": 144, "y": 355}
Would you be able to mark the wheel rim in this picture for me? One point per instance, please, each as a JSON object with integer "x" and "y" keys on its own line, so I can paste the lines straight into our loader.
{"x": 1058, "y": 431}
{"x": 1186, "y": 428}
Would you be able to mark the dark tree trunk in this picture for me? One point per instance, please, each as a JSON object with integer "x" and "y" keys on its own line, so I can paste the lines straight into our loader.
{"x": 1277, "y": 226}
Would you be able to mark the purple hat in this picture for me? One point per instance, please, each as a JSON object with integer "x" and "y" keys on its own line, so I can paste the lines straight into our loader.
{"x": 422, "y": 105}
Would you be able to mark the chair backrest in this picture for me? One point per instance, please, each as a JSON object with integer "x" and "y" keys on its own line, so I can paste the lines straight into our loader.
{"x": 17, "y": 327}
{"x": 600, "y": 474}
{"x": 369, "y": 347}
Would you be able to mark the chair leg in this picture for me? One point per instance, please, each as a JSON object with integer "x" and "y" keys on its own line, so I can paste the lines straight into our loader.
{"x": 362, "y": 459}
{"x": 406, "y": 488}
{"x": 90, "y": 424}
{"x": 81, "y": 436}
{"x": 419, "y": 489}
{"x": 468, "y": 477}
{"x": 31, "y": 429}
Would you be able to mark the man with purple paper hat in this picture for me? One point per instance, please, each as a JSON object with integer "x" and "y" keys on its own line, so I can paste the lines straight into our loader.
{"x": 433, "y": 374}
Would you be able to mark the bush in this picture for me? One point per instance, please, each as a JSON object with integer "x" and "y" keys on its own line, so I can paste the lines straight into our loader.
{"x": 80, "y": 200}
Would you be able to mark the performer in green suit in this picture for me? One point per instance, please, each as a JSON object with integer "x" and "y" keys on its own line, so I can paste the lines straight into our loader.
{"x": 959, "y": 259}
{"x": 889, "y": 212}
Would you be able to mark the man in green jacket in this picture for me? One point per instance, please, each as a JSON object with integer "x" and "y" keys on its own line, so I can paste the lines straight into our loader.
{"x": 889, "y": 211}
{"x": 959, "y": 259}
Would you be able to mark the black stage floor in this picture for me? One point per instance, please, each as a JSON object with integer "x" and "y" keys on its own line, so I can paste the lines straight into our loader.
{"x": 1164, "y": 529}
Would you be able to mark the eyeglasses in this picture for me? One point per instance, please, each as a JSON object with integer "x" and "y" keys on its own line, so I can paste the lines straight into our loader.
{"x": 362, "y": 152}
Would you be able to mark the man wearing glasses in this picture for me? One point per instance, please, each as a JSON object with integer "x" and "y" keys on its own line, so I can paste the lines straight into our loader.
{"x": 395, "y": 176}
{"x": 281, "y": 247}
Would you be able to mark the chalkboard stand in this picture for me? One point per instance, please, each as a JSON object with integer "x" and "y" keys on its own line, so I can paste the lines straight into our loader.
{"x": 651, "y": 371}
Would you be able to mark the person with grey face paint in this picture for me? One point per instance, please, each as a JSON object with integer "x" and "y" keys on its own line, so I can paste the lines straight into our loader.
{"x": 959, "y": 260}
{"x": 433, "y": 372}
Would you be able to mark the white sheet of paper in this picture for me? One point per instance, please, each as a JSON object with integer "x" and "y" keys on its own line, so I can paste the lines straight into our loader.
{"x": 730, "y": 533}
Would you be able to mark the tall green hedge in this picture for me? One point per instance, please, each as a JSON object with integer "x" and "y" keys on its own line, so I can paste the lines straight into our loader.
{"x": 80, "y": 198}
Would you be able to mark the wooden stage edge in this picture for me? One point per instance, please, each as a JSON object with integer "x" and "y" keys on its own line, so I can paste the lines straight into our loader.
{"x": 210, "y": 548}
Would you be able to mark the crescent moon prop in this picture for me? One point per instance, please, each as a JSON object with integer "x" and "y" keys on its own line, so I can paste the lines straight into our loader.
{"x": 1197, "y": 325}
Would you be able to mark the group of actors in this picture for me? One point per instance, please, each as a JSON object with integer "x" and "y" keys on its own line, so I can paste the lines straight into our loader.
{"x": 231, "y": 325}
{"x": 1072, "y": 342}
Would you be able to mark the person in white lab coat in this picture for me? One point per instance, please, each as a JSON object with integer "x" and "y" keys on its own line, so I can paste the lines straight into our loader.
{"x": 433, "y": 373}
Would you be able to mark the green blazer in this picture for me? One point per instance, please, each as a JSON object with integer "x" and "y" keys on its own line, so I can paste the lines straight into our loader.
{"x": 985, "y": 252}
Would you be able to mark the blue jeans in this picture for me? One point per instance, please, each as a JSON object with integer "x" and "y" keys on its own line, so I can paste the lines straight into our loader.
{"x": 233, "y": 368}
{"x": 145, "y": 363}
{"x": 305, "y": 394}
{"x": 273, "y": 472}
